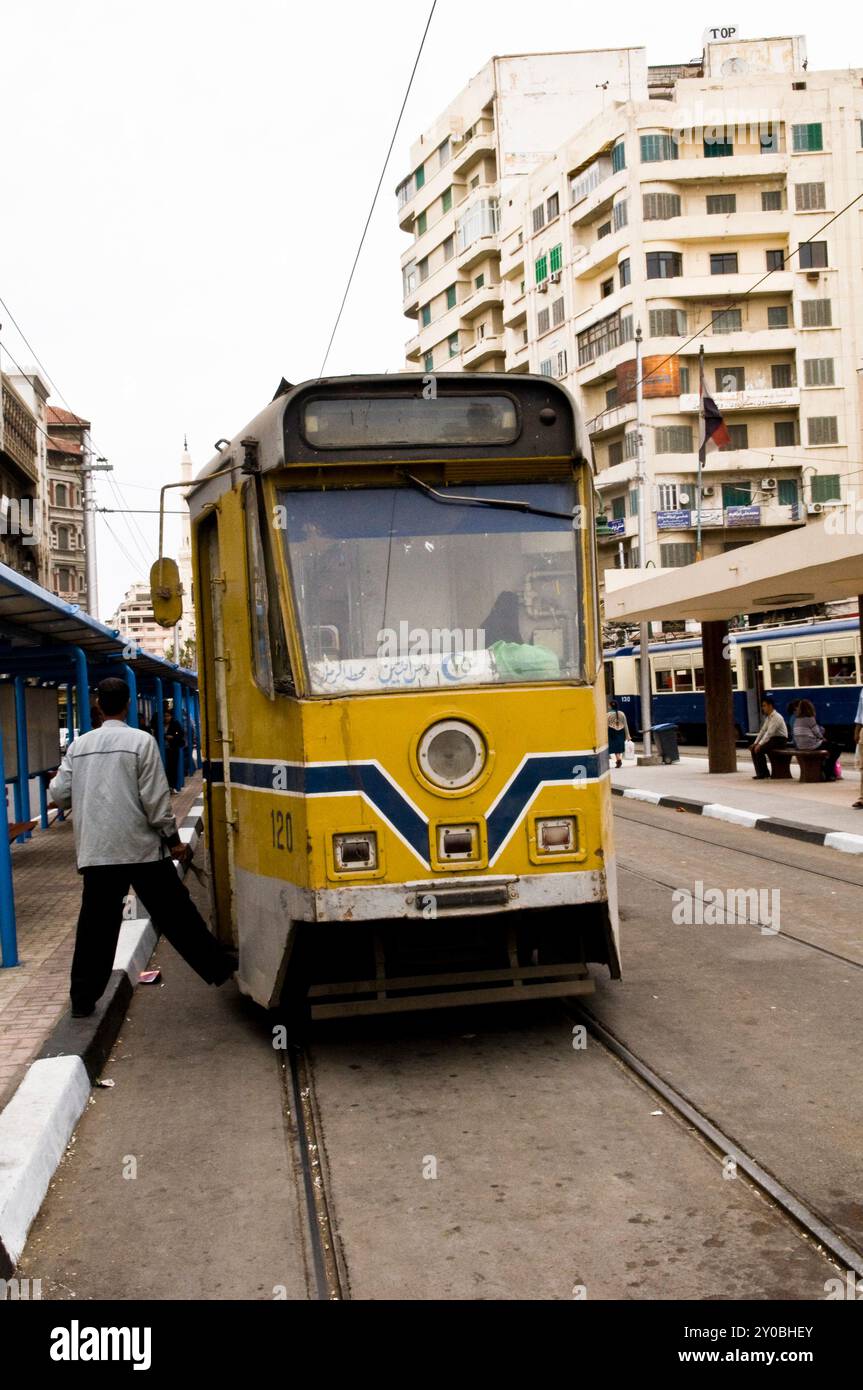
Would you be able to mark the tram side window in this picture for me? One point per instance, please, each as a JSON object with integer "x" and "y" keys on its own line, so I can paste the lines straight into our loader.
{"x": 270, "y": 665}
{"x": 683, "y": 678}
{"x": 781, "y": 673}
{"x": 841, "y": 670}
{"x": 810, "y": 670}
{"x": 734, "y": 677}
{"x": 663, "y": 681}
{"x": 699, "y": 677}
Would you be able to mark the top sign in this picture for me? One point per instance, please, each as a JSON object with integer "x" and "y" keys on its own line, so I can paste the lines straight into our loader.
{"x": 720, "y": 33}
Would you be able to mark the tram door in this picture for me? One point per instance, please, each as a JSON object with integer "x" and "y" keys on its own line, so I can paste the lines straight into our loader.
{"x": 216, "y": 731}
{"x": 753, "y": 678}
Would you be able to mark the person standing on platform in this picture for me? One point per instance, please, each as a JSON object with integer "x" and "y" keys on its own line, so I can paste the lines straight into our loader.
{"x": 618, "y": 733}
{"x": 125, "y": 833}
{"x": 858, "y": 746}
{"x": 175, "y": 742}
{"x": 772, "y": 734}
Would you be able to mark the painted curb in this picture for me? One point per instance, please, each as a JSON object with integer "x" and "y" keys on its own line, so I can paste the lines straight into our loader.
{"x": 40, "y": 1118}
{"x": 841, "y": 840}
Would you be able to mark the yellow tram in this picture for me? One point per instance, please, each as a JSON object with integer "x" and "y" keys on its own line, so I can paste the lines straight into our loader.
{"x": 404, "y": 724}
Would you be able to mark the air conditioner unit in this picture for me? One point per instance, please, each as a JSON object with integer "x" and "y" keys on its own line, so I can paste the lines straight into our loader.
{"x": 812, "y": 276}
{"x": 708, "y": 491}
{"x": 768, "y": 484}
{"x": 554, "y": 276}
{"x": 814, "y": 508}
{"x": 542, "y": 287}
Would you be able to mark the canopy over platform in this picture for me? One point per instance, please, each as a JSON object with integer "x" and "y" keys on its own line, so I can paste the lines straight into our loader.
{"x": 809, "y": 565}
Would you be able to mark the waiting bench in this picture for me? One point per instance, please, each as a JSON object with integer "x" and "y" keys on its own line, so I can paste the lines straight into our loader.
{"x": 810, "y": 761}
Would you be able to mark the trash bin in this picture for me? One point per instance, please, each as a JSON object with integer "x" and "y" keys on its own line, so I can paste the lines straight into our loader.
{"x": 666, "y": 742}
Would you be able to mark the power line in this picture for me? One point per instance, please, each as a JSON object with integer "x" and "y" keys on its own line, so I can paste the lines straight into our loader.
{"x": 378, "y": 189}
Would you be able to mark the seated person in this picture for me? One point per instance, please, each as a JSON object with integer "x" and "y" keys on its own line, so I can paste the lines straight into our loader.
{"x": 809, "y": 735}
{"x": 513, "y": 658}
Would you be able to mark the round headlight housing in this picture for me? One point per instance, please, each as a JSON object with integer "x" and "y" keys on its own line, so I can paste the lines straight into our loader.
{"x": 451, "y": 754}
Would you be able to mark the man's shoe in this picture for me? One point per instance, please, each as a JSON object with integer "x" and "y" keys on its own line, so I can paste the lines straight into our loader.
{"x": 79, "y": 1012}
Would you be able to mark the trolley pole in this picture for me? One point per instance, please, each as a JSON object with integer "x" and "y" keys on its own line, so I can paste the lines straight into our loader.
{"x": 644, "y": 628}
{"x": 88, "y": 468}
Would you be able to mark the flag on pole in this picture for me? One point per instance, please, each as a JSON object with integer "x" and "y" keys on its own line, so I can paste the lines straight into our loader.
{"x": 713, "y": 427}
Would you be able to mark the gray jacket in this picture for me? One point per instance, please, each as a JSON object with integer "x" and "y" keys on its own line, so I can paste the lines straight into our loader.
{"x": 807, "y": 732}
{"x": 115, "y": 783}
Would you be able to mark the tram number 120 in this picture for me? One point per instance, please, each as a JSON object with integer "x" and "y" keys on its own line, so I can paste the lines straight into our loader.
{"x": 282, "y": 831}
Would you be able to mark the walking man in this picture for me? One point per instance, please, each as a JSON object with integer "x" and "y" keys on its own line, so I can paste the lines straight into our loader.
{"x": 772, "y": 734}
{"x": 125, "y": 833}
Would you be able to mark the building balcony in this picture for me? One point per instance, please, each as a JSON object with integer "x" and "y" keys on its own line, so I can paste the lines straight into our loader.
{"x": 741, "y": 518}
{"x": 619, "y": 473}
{"x": 614, "y": 418}
{"x": 492, "y": 345}
{"x": 734, "y": 226}
{"x": 518, "y": 358}
{"x": 599, "y": 199}
{"x": 747, "y": 340}
{"x": 717, "y": 288}
{"x": 477, "y": 250}
{"x": 752, "y": 398}
{"x": 515, "y": 311}
{"x": 603, "y": 367}
{"x": 483, "y": 142}
{"x": 726, "y": 171}
{"x": 512, "y": 253}
{"x": 488, "y": 297}
{"x": 413, "y": 349}
{"x": 603, "y": 253}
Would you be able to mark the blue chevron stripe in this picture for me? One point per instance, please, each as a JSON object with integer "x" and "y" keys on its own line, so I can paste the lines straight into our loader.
{"x": 393, "y": 805}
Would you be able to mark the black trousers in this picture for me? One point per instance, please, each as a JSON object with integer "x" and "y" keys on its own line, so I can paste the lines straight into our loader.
{"x": 759, "y": 755}
{"x": 171, "y": 911}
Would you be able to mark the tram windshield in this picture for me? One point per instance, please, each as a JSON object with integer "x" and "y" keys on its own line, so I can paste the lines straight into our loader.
{"x": 396, "y": 591}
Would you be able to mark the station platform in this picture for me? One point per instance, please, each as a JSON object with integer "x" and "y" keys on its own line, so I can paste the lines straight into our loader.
{"x": 823, "y": 809}
{"x": 34, "y": 995}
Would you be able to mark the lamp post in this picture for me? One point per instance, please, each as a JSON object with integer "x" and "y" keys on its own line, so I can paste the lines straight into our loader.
{"x": 644, "y": 627}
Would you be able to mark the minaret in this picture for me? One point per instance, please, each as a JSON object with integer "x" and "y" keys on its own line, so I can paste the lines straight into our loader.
{"x": 184, "y": 559}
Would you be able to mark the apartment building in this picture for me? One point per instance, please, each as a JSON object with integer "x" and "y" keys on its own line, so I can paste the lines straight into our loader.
{"x": 678, "y": 210}
{"x": 134, "y": 619}
{"x": 465, "y": 172}
{"x": 67, "y": 437}
{"x": 23, "y": 474}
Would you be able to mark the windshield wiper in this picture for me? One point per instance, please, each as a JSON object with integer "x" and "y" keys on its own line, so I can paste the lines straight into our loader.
{"x": 501, "y": 503}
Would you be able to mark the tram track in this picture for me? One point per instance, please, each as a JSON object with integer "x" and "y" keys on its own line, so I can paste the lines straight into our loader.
{"x": 803, "y": 1217}
{"x": 327, "y": 1269}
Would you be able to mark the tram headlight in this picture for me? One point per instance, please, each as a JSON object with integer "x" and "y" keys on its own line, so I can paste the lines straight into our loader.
{"x": 556, "y": 835}
{"x": 451, "y": 754}
{"x": 355, "y": 852}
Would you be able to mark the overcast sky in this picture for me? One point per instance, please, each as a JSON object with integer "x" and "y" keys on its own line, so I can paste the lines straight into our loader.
{"x": 185, "y": 184}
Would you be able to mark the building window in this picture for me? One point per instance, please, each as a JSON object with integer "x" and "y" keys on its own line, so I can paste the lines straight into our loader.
{"x": 479, "y": 281}
{"x": 816, "y": 313}
{"x": 658, "y": 206}
{"x": 618, "y": 157}
{"x": 780, "y": 376}
{"x": 539, "y": 217}
{"x": 664, "y": 265}
{"x": 555, "y": 259}
{"x": 423, "y": 268}
{"x": 422, "y": 223}
{"x": 825, "y": 487}
{"x": 540, "y": 269}
{"x": 603, "y": 230}
{"x": 553, "y": 207}
{"x": 806, "y": 137}
{"x": 729, "y": 378}
{"x": 404, "y": 192}
{"x": 673, "y": 439}
{"x": 657, "y": 147}
{"x": 546, "y": 367}
{"x": 633, "y": 502}
{"x": 446, "y": 200}
{"x": 428, "y": 362}
{"x": 723, "y": 263}
{"x": 615, "y": 453}
{"x": 777, "y": 316}
{"x": 450, "y": 297}
{"x": 618, "y": 508}
{"x": 425, "y": 315}
{"x": 444, "y": 153}
{"x": 823, "y": 429}
{"x": 63, "y": 580}
{"x": 786, "y": 494}
{"x": 474, "y": 183}
{"x": 60, "y": 495}
{"x": 419, "y": 177}
{"x": 809, "y": 197}
{"x": 557, "y": 312}
{"x": 602, "y": 337}
{"x": 666, "y": 323}
{"x": 715, "y": 148}
{"x": 623, "y": 273}
{"x": 728, "y": 321}
{"x": 768, "y": 139}
{"x": 721, "y": 202}
{"x": 683, "y": 373}
{"x": 620, "y": 214}
{"x": 784, "y": 433}
{"x": 813, "y": 255}
{"x": 611, "y": 397}
{"x": 452, "y": 344}
{"x": 481, "y": 219}
{"x": 542, "y": 322}
{"x": 775, "y": 260}
{"x": 630, "y": 445}
{"x": 818, "y": 371}
{"x": 63, "y": 534}
{"x": 606, "y": 287}
{"x": 449, "y": 248}
{"x": 771, "y": 200}
{"x": 738, "y": 438}
{"x": 561, "y": 362}
{"x": 675, "y": 556}
{"x": 737, "y": 494}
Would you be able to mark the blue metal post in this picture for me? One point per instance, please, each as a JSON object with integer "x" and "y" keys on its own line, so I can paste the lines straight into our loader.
{"x": 187, "y": 726}
{"x": 196, "y": 711}
{"x": 23, "y": 801}
{"x": 43, "y": 801}
{"x": 178, "y": 715}
{"x": 83, "y": 683}
{"x": 70, "y": 710}
{"x": 160, "y": 717}
{"x": 8, "y": 933}
{"x": 133, "y": 696}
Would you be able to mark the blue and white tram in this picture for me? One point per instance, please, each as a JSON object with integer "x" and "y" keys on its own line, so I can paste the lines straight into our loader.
{"x": 818, "y": 661}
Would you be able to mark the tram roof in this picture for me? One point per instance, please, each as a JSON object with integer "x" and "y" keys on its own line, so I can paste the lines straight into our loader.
{"x": 807, "y": 565}
{"x": 744, "y": 637}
